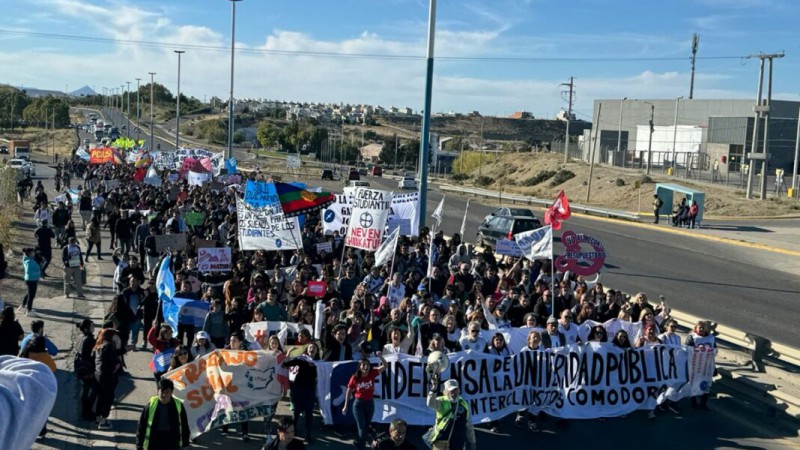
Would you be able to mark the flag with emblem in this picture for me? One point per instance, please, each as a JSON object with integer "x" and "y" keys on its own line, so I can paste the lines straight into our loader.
{"x": 296, "y": 200}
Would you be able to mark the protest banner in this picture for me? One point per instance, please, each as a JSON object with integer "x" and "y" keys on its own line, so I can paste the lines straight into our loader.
{"x": 101, "y": 155}
{"x": 260, "y": 194}
{"x": 370, "y": 210}
{"x": 577, "y": 261}
{"x": 197, "y": 178}
{"x": 574, "y": 382}
{"x": 259, "y": 332}
{"x": 111, "y": 184}
{"x": 173, "y": 242}
{"x": 216, "y": 186}
{"x": 508, "y": 247}
{"x": 266, "y": 229}
{"x": 228, "y": 386}
{"x": 324, "y": 247}
{"x": 402, "y": 214}
{"x": 293, "y": 162}
{"x": 214, "y": 259}
{"x": 316, "y": 288}
{"x": 194, "y": 218}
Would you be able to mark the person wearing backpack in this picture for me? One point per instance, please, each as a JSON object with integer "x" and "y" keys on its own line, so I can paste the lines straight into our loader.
{"x": 84, "y": 366}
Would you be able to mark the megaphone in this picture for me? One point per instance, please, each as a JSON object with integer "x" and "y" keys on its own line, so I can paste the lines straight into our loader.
{"x": 437, "y": 362}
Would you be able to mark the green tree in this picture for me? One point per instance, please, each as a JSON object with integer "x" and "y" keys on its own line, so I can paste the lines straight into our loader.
{"x": 239, "y": 137}
{"x": 267, "y": 134}
{"x": 317, "y": 137}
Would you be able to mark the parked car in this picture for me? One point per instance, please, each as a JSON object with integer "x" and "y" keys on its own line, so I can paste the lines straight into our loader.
{"x": 407, "y": 183}
{"x": 509, "y": 212}
{"x": 24, "y": 167}
{"x": 327, "y": 174}
{"x": 358, "y": 183}
{"x": 376, "y": 171}
{"x": 503, "y": 227}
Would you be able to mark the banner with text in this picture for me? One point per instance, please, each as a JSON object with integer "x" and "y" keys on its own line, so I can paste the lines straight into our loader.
{"x": 267, "y": 228}
{"x": 368, "y": 222}
{"x": 573, "y": 382}
{"x": 402, "y": 214}
{"x": 212, "y": 259}
{"x": 259, "y": 332}
{"x": 228, "y": 386}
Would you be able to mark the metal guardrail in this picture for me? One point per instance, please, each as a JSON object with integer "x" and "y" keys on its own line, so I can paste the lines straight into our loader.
{"x": 528, "y": 200}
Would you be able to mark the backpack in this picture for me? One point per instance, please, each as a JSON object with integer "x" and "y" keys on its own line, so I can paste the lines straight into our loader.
{"x": 83, "y": 367}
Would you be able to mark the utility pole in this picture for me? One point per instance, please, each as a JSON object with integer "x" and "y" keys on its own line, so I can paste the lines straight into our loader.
{"x": 138, "y": 115}
{"x": 765, "y": 162}
{"x": 151, "y": 110}
{"x": 230, "y": 98}
{"x": 760, "y": 111}
{"x": 675, "y": 134}
{"x": 426, "y": 118}
{"x": 178, "y": 107}
{"x": 571, "y": 85}
{"x": 695, "y": 44}
{"x": 128, "y": 91}
{"x": 596, "y": 127}
{"x": 650, "y": 140}
{"x": 619, "y": 130}
{"x": 395, "y": 151}
{"x": 796, "y": 155}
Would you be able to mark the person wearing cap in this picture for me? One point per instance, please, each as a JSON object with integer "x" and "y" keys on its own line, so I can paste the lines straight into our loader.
{"x": 553, "y": 338}
{"x": 163, "y": 424}
{"x": 452, "y": 428}
{"x": 202, "y": 345}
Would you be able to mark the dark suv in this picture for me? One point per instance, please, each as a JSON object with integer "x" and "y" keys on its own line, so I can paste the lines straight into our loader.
{"x": 504, "y": 227}
{"x": 327, "y": 174}
{"x": 353, "y": 175}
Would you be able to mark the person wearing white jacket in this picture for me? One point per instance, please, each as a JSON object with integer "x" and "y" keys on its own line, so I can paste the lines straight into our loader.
{"x": 28, "y": 391}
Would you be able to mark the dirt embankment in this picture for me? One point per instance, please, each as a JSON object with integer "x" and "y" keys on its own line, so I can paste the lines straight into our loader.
{"x": 543, "y": 175}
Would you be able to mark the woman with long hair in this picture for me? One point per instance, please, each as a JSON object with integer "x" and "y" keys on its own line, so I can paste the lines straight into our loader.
{"x": 202, "y": 345}
{"x": 303, "y": 379}
{"x": 85, "y": 367}
{"x": 362, "y": 387}
{"x": 182, "y": 355}
{"x": 107, "y": 367}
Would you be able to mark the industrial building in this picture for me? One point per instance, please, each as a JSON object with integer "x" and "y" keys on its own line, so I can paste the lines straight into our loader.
{"x": 694, "y": 133}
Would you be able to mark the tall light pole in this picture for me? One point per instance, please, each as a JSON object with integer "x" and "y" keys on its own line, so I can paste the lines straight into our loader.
{"x": 650, "y": 140}
{"x": 128, "y": 91}
{"x": 426, "y": 119}
{"x": 151, "y": 110}
{"x": 619, "y": 129}
{"x": 675, "y": 134}
{"x": 138, "y": 81}
{"x": 796, "y": 154}
{"x": 178, "y": 107}
{"x": 230, "y": 97}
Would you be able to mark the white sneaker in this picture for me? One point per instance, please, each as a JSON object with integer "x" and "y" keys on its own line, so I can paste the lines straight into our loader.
{"x": 31, "y": 313}
{"x": 21, "y": 307}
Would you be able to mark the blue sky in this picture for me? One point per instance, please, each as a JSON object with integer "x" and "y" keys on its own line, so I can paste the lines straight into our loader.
{"x": 495, "y": 56}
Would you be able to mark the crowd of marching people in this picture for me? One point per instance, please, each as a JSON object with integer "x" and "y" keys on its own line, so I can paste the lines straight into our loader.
{"x": 403, "y": 306}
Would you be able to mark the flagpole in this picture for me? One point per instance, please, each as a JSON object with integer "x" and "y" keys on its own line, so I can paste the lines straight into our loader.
{"x": 341, "y": 258}
{"x": 552, "y": 274}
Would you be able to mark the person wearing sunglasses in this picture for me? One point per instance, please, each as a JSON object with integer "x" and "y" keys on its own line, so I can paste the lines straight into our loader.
{"x": 472, "y": 340}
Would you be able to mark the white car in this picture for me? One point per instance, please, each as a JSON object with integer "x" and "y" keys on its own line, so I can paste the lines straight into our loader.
{"x": 407, "y": 183}
{"x": 25, "y": 167}
{"x": 358, "y": 184}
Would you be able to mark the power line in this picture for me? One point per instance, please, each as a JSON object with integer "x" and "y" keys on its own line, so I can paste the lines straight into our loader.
{"x": 171, "y": 46}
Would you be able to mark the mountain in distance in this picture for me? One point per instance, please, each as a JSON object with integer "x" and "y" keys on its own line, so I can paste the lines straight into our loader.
{"x": 84, "y": 91}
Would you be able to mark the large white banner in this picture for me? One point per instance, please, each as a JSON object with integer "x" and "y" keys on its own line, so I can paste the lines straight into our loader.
{"x": 368, "y": 221}
{"x": 402, "y": 214}
{"x": 266, "y": 228}
{"x": 575, "y": 382}
{"x": 229, "y": 386}
{"x": 259, "y": 332}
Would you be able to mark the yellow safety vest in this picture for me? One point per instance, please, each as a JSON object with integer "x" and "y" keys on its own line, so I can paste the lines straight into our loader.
{"x": 151, "y": 414}
{"x": 443, "y": 415}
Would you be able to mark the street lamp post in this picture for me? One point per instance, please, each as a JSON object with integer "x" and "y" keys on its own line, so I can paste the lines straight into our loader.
{"x": 650, "y": 140}
{"x": 619, "y": 129}
{"x": 151, "y": 110}
{"x": 138, "y": 115}
{"x": 230, "y": 98}
{"x": 178, "y": 107}
{"x": 426, "y": 118}
{"x": 128, "y": 92}
{"x": 675, "y": 133}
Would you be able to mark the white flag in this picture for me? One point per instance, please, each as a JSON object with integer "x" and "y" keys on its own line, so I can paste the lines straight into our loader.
{"x": 542, "y": 247}
{"x": 464, "y": 221}
{"x": 386, "y": 251}
{"x": 437, "y": 213}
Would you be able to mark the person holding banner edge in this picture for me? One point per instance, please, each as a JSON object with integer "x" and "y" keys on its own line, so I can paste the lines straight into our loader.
{"x": 362, "y": 387}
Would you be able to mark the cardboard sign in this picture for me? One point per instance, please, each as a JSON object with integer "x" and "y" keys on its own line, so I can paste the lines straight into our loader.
{"x": 578, "y": 261}
{"x": 194, "y": 218}
{"x": 174, "y": 242}
{"x": 368, "y": 222}
{"x": 508, "y": 247}
{"x": 324, "y": 247}
{"x": 214, "y": 259}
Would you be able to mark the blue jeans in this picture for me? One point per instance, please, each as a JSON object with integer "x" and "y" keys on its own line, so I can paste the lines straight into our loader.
{"x": 136, "y": 326}
{"x": 362, "y": 412}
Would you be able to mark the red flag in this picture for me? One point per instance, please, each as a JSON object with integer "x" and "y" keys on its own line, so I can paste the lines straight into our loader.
{"x": 558, "y": 211}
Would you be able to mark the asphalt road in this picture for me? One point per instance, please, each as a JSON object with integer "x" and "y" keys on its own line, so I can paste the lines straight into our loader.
{"x": 731, "y": 424}
{"x": 741, "y": 287}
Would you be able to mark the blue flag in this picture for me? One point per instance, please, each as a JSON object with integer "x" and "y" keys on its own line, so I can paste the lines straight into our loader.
{"x": 260, "y": 194}
{"x": 165, "y": 281}
{"x": 160, "y": 362}
{"x": 184, "y": 311}
{"x": 231, "y": 165}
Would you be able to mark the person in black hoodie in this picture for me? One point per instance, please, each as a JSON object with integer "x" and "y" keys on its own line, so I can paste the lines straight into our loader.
{"x": 304, "y": 384}
{"x": 85, "y": 368}
{"x": 124, "y": 229}
{"x": 107, "y": 368}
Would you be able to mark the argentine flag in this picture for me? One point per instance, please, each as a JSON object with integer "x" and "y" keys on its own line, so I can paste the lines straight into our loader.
{"x": 165, "y": 281}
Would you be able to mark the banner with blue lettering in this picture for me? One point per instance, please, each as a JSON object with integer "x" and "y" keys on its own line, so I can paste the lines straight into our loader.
{"x": 266, "y": 228}
{"x": 573, "y": 382}
{"x": 260, "y": 194}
